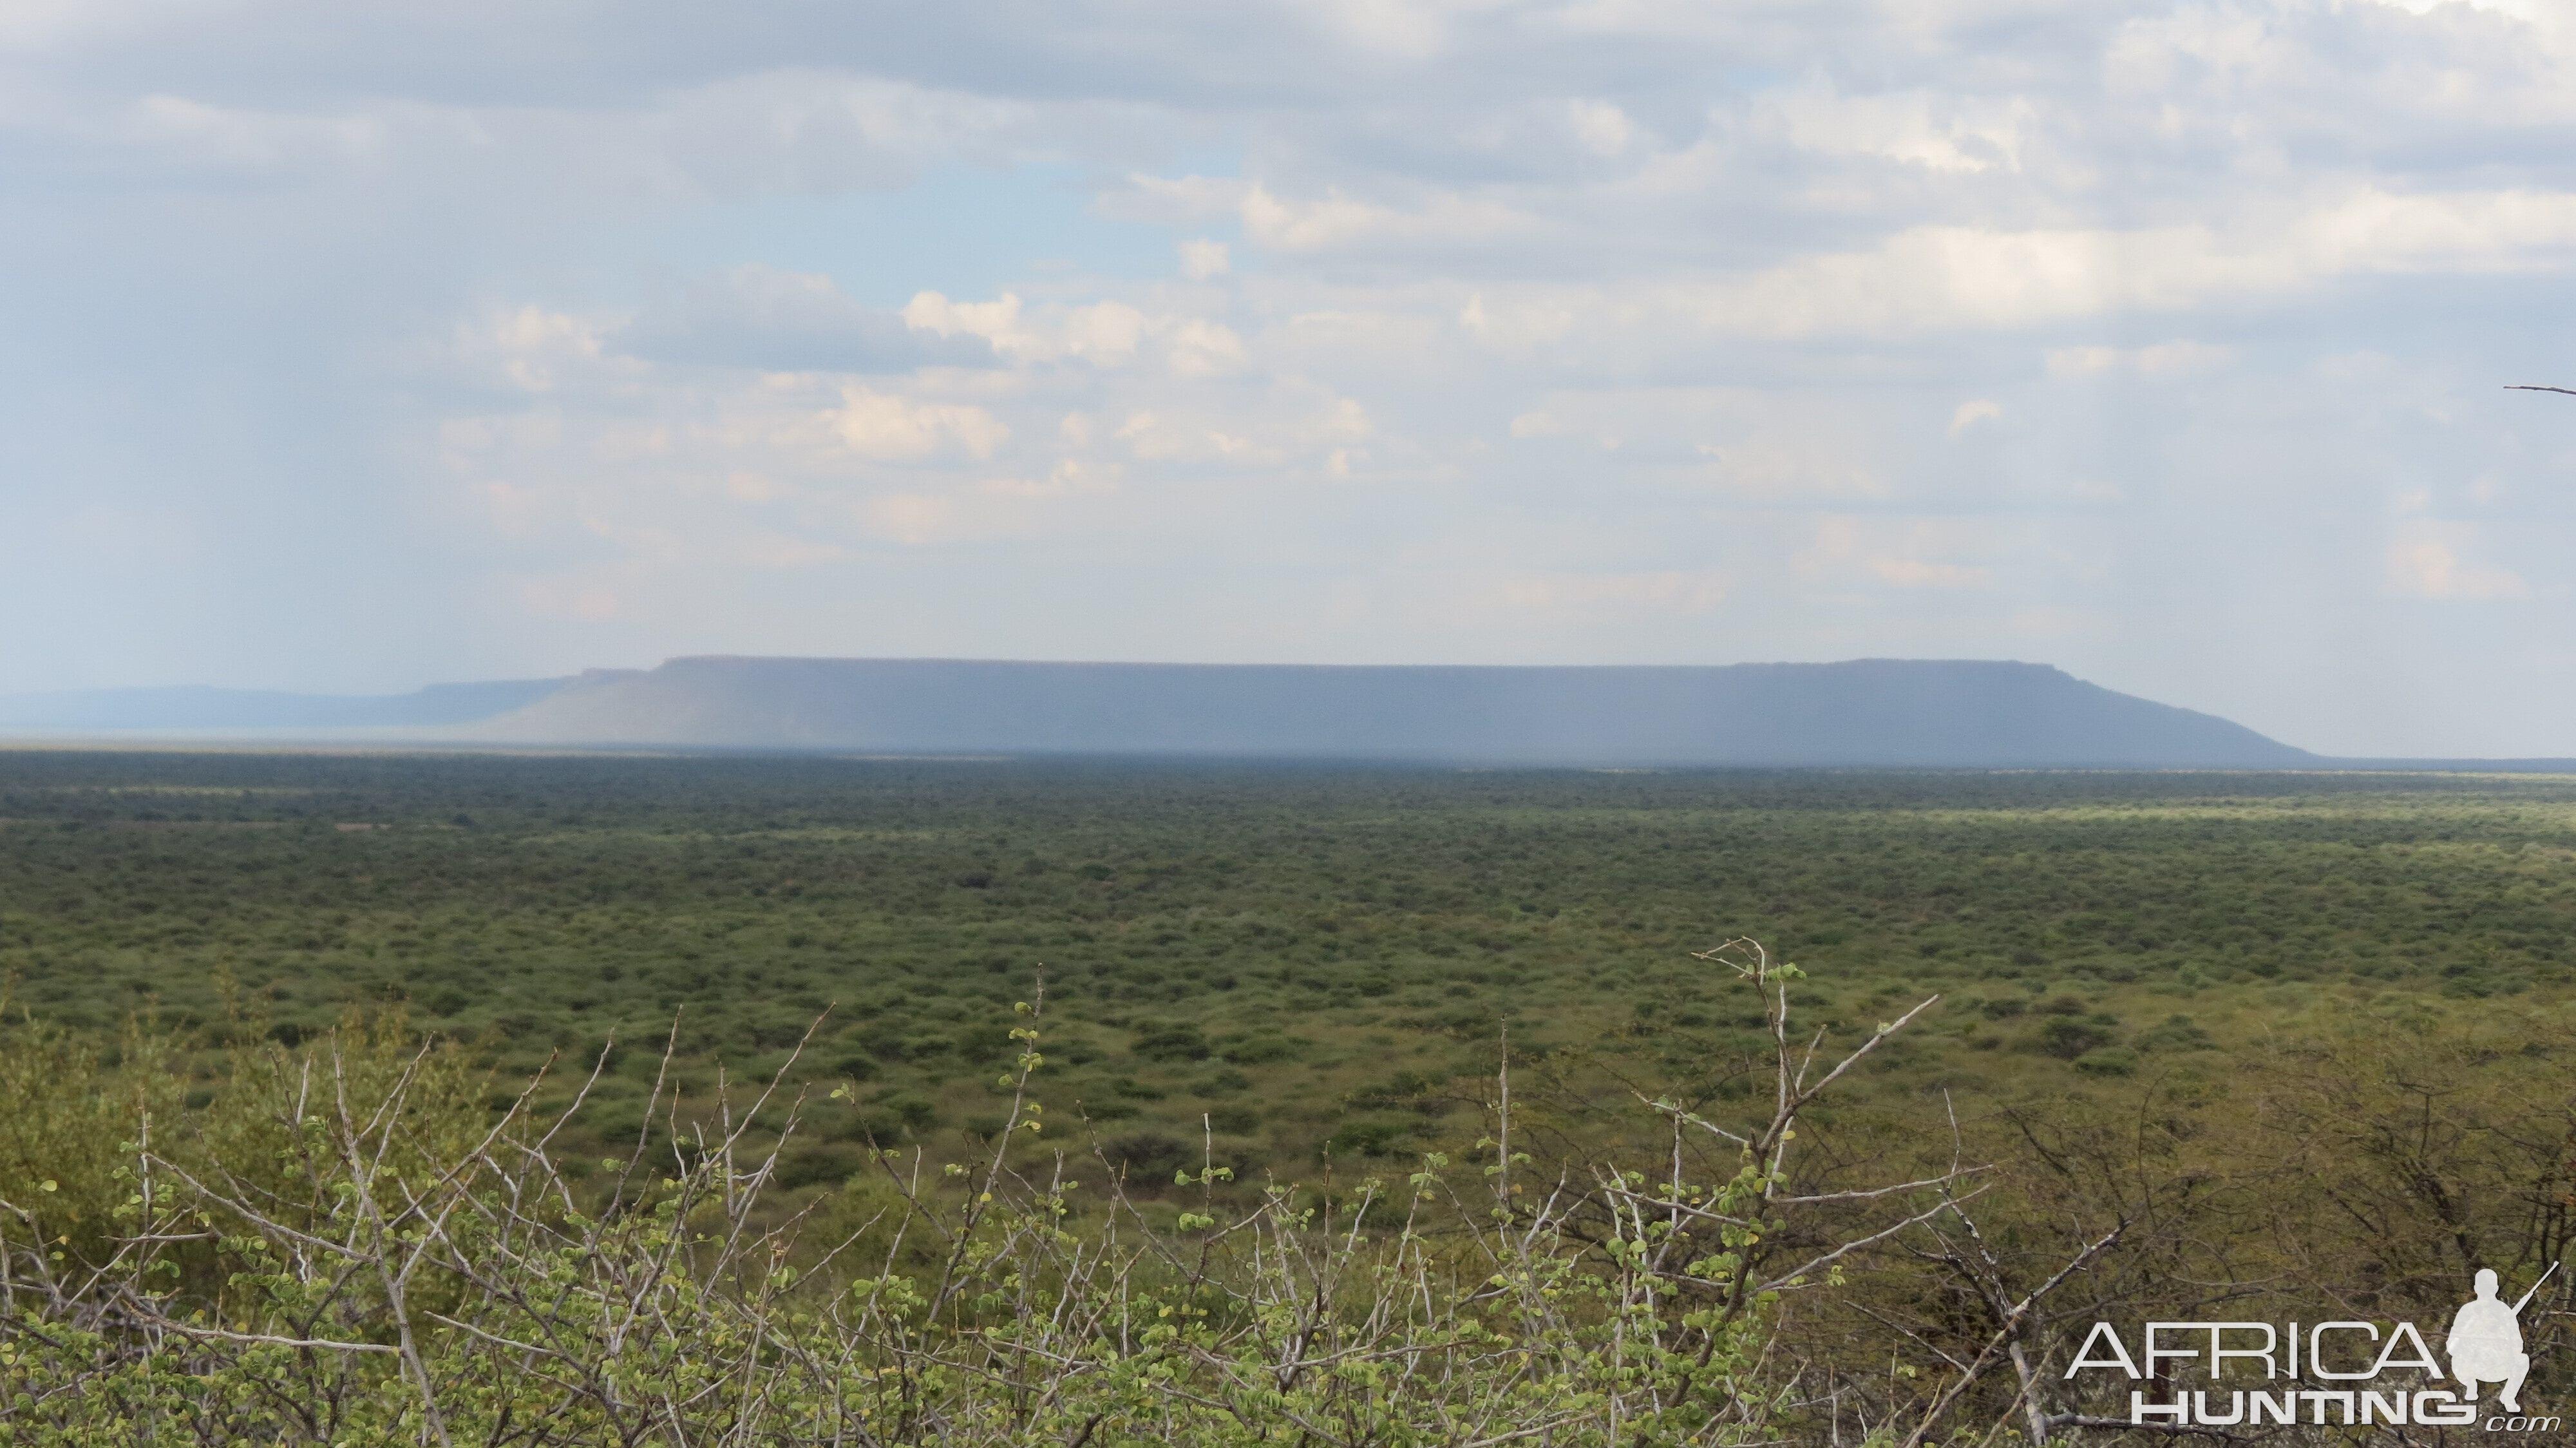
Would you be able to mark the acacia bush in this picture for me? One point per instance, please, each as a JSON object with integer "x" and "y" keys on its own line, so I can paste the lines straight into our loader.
{"x": 345, "y": 1247}
{"x": 347, "y": 1241}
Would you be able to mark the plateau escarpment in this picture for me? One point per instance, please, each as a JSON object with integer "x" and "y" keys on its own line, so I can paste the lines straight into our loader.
{"x": 1888, "y": 712}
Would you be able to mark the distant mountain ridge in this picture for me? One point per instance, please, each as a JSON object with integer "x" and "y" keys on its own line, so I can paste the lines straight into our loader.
{"x": 198, "y": 706}
{"x": 1862, "y": 712}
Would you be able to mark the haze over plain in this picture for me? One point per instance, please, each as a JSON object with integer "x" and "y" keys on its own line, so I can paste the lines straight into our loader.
{"x": 352, "y": 350}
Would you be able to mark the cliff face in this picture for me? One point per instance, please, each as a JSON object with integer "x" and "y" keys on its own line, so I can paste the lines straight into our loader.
{"x": 1865, "y": 712}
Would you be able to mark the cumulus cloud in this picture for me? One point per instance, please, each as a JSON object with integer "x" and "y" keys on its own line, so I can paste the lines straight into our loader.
{"x": 1982, "y": 409}
{"x": 2430, "y": 559}
{"x": 891, "y": 429}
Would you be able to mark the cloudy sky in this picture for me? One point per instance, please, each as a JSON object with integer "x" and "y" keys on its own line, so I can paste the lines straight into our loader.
{"x": 352, "y": 346}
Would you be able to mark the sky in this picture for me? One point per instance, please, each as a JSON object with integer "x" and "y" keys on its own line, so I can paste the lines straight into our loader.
{"x": 347, "y": 347}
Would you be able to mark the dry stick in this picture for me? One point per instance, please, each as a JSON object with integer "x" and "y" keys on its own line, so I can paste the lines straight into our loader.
{"x": 644, "y": 1130}
{"x": 2007, "y": 1330}
{"x": 1857, "y": 1194}
{"x": 199, "y": 1330}
{"x": 363, "y": 1175}
{"x": 1989, "y": 1281}
{"x": 504, "y": 1292}
{"x": 435, "y": 1229}
{"x": 1769, "y": 1150}
{"x": 462, "y": 1266}
{"x": 1503, "y": 1129}
{"x": 358, "y": 1257}
{"x": 741, "y": 1196}
{"x": 1827, "y": 1259}
{"x": 1516, "y": 1253}
{"x": 1806, "y": 1093}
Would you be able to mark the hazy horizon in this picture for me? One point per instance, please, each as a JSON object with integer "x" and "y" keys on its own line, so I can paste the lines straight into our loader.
{"x": 352, "y": 351}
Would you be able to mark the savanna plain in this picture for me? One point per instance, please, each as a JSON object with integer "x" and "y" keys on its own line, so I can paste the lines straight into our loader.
{"x": 384, "y": 1097}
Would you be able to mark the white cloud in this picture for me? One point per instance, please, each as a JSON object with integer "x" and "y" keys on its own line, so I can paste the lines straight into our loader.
{"x": 890, "y": 429}
{"x": 1932, "y": 278}
{"x": 919, "y": 520}
{"x": 2432, "y": 559}
{"x": 2078, "y": 362}
{"x": 1203, "y": 259}
{"x": 1942, "y": 132}
{"x": 1337, "y": 221}
{"x": 1969, "y": 414}
{"x": 536, "y": 348}
{"x": 1105, "y": 334}
{"x": 1332, "y": 220}
{"x": 1604, "y": 128}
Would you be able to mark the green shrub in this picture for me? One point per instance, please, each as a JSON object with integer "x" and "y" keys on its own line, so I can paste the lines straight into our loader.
{"x": 2066, "y": 1040}
{"x": 2112, "y": 1061}
{"x": 343, "y": 1249}
{"x": 1169, "y": 1042}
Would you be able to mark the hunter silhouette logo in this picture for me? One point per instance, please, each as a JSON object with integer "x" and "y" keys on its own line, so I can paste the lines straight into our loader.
{"x": 2350, "y": 1361}
{"x": 2486, "y": 1341}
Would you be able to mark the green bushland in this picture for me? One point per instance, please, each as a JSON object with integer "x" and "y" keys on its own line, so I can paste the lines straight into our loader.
{"x": 338, "y": 1249}
{"x": 343, "y": 1244}
{"x": 2293, "y": 1040}
{"x": 1292, "y": 952}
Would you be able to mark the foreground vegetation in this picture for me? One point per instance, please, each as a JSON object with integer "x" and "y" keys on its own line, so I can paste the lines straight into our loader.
{"x": 2242, "y": 1047}
{"x": 341, "y": 1252}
